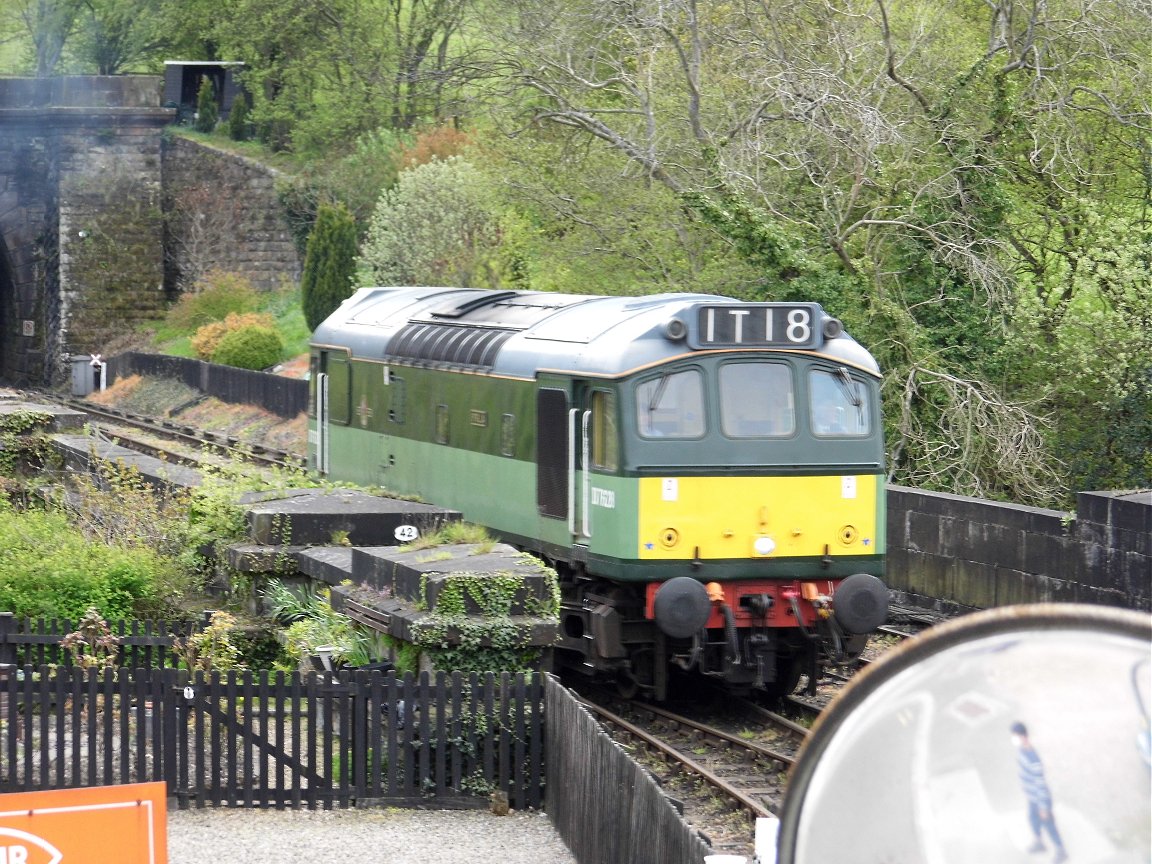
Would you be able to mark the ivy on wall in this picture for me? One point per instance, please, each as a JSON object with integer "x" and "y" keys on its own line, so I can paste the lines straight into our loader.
{"x": 489, "y": 640}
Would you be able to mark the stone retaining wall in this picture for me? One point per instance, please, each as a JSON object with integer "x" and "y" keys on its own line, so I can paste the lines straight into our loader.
{"x": 977, "y": 554}
{"x": 223, "y": 214}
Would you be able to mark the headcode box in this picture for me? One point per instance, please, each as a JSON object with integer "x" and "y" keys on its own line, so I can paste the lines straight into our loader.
{"x": 99, "y": 825}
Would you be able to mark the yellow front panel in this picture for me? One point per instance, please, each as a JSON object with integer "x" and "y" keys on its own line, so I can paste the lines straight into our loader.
{"x": 757, "y": 517}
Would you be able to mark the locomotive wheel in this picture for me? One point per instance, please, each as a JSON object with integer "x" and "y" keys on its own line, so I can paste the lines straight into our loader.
{"x": 788, "y": 672}
{"x": 627, "y": 685}
{"x": 632, "y": 681}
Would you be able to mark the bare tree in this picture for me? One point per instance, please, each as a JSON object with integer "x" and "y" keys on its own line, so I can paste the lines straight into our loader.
{"x": 824, "y": 136}
{"x": 49, "y": 24}
{"x": 200, "y": 226}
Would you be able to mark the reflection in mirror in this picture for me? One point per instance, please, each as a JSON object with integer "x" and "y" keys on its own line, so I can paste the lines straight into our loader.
{"x": 1013, "y": 735}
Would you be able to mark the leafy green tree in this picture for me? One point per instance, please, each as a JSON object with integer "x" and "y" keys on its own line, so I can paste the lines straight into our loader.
{"x": 207, "y": 112}
{"x": 438, "y": 226}
{"x": 329, "y": 265}
{"x": 356, "y": 179}
{"x": 919, "y": 170}
{"x": 48, "y": 24}
{"x": 117, "y": 36}
{"x": 324, "y": 72}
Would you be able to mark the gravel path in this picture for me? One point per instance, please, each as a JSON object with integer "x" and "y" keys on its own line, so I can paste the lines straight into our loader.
{"x": 356, "y": 836}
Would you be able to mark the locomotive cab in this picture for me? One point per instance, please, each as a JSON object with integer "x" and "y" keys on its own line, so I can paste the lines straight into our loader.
{"x": 735, "y": 501}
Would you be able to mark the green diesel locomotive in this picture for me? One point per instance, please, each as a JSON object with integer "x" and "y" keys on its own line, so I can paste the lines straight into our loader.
{"x": 706, "y": 474}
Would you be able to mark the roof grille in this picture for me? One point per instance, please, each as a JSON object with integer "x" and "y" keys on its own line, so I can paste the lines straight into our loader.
{"x": 448, "y": 343}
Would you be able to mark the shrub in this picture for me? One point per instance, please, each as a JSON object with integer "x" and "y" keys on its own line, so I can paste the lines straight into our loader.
{"x": 438, "y": 226}
{"x": 251, "y": 347}
{"x": 238, "y": 120}
{"x": 214, "y": 297}
{"x": 440, "y": 142}
{"x": 207, "y": 113}
{"x": 206, "y": 340}
{"x": 50, "y": 570}
{"x": 330, "y": 264}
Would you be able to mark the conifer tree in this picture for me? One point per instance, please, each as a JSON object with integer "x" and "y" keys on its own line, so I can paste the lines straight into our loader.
{"x": 329, "y": 263}
{"x": 207, "y": 112}
{"x": 238, "y": 119}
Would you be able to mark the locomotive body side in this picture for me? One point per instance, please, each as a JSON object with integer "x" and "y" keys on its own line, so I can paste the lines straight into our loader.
{"x": 710, "y": 489}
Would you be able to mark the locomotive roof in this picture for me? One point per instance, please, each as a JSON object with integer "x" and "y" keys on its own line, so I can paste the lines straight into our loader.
{"x": 518, "y": 333}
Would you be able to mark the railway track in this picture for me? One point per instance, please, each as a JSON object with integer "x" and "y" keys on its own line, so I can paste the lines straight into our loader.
{"x": 904, "y": 624}
{"x": 721, "y": 778}
{"x": 198, "y": 446}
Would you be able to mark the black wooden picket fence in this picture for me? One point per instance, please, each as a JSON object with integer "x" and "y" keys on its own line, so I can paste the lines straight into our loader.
{"x": 353, "y": 737}
{"x": 276, "y": 739}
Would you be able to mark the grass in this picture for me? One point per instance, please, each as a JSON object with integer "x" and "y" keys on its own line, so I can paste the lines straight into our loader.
{"x": 284, "y": 307}
{"x": 282, "y": 161}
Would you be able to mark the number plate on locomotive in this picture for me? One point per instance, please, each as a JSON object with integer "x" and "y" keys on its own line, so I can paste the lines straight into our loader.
{"x": 758, "y": 325}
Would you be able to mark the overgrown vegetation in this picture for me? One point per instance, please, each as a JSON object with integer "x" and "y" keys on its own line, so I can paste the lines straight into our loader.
{"x": 312, "y": 627}
{"x": 223, "y": 302}
{"x": 49, "y": 569}
{"x": 253, "y": 346}
{"x": 454, "y": 533}
{"x": 488, "y": 640}
{"x": 110, "y": 541}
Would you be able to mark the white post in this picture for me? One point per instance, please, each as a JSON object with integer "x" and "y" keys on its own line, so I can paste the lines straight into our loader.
{"x": 99, "y": 365}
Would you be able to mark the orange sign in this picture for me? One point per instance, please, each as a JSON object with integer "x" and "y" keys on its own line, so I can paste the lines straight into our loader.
{"x": 99, "y": 825}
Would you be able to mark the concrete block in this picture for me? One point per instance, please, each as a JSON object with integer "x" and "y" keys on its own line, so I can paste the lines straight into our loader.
{"x": 996, "y": 544}
{"x": 975, "y": 584}
{"x": 1093, "y": 506}
{"x": 924, "y": 532}
{"x": 329, "y": 564}
{"x": 79, "y": 451}
{"x": 1046, "y": 553}
{"x": 1094, "y": 567}
{"x": 898, "y": 567}
{"x": 1014, "y": 587}
{"x": 955, "y": 537}
{"x": 253, "y": 558}
{"x": 340, "y": 517}
{"x": 424, "y": 576}
{"x": 1133, "y": 512}
{"x": 1133, "y": 542}
{"x": 930, "y": 575}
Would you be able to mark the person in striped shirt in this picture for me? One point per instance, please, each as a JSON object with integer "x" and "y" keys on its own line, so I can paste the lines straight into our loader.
{"x": 1040, "y": 815}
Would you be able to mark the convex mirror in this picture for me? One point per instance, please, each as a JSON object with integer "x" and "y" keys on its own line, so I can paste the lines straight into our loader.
{"x": 1013, "y": 735}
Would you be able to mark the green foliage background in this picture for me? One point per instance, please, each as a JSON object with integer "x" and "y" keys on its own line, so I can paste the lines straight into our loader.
{"x": 967, "y": 186}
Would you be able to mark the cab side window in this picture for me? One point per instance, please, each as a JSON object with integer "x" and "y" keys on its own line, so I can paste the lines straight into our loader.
{"x": 671, "y": 406}
{"x": 605, "y": 438}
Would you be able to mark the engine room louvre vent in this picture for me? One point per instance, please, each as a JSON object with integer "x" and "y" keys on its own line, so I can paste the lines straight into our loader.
{"x": 448, "y": 343}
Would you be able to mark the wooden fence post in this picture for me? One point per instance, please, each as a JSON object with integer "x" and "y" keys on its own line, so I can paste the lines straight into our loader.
{"x": 7, "y": 628}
